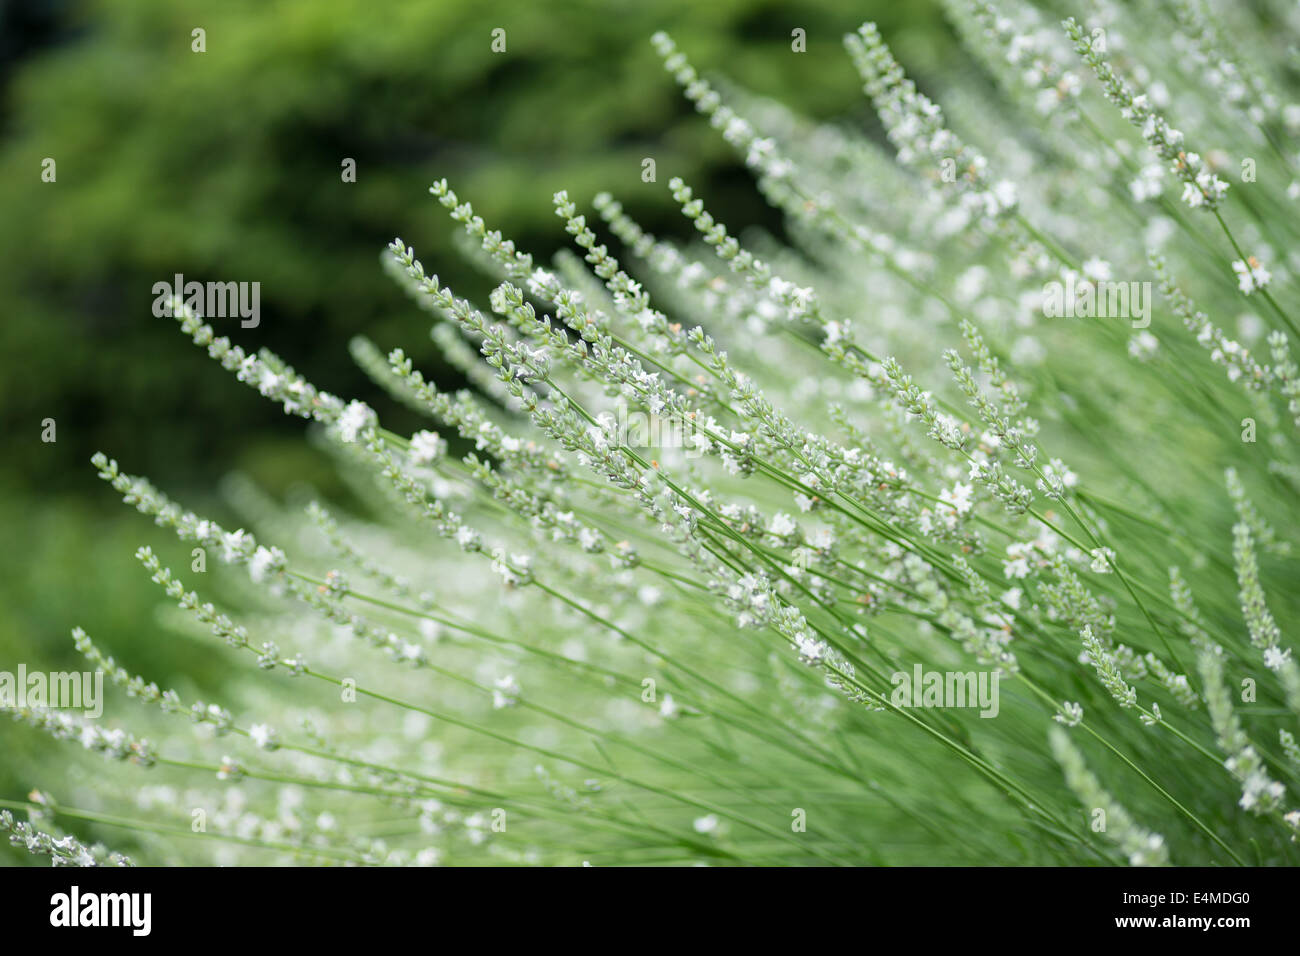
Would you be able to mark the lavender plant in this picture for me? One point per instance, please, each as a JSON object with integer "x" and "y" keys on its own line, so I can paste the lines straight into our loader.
{"x": 652, "y": 590}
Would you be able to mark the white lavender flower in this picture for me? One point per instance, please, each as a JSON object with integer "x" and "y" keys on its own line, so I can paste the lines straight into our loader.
{"x": 1260, "y": 794}
{"x": 1251, "y": 274}
{"x": 1141, "y": 847}
{"x": 427, "y": 447}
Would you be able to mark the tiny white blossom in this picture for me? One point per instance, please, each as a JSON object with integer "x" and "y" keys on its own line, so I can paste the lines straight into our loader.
{"x": 263, "y": 736}
{"x": 1275, "y": 658}
{"x": 1070, "y": 714}
{"x": 354, "y": 419}
{"x": 1251, "y": 274}
{"x": 427, "y": 447}
{"x": 1096, "y": 269}
{"x": 264, "y": 562}
{"x": 959, "y": 496}
{"x": 233, "y": 545}
{"x": 505, "y": 692}
{"x": 706, "y": 824}
{"x": 1143, "y": 346}
{"x": 782, "y": 525}
{"x": 1101, "y": 560}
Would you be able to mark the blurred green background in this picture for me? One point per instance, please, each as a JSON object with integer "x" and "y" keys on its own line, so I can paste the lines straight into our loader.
{"x": 225, "y": 165}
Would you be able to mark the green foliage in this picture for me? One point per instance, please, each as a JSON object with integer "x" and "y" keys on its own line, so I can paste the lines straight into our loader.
{"x": 225, "y": 165}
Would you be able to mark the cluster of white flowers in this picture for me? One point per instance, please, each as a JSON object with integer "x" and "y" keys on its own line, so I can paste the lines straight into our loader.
{"x": 427, "y": 447}
{"x": 916, "y": 127}
{"x": 871, "y": 457}
{"x": 62, "y": 851}
{"x": 1260, "y": 794}
{"x": 1140, "y": 846}
{"x": 1201, "y": 187}
{"x": 1251, "y": 274}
